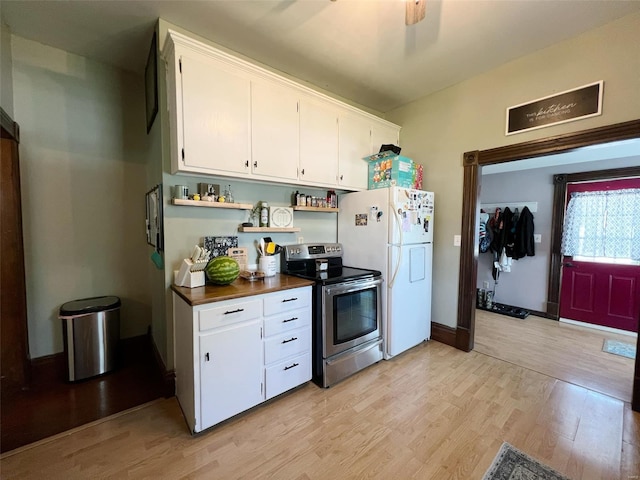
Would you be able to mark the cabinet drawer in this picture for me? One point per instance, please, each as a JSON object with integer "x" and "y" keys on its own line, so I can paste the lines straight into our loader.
{"x": 283, "y": 322}
{"x": 284, "y": 376}
{"x": 286, "y": 345}
{"x": 287, "y": 300}
{"x": 228, "y": 314}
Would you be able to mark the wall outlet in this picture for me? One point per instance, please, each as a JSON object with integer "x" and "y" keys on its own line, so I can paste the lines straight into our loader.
{"x": 537, "y": 238}
{"x": 485, "y": 285}
{"x": 457, "y": 240}
{"x": 300, "y": 240}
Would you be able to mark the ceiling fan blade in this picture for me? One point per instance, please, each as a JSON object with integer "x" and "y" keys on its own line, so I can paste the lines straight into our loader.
{"x": 415, "y": 11}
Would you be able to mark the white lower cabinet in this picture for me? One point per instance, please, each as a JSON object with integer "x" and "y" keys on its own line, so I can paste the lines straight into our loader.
{"x": 285, "y": 375}
{"x": 230, "y": 371}
{"x": 232, "y": 355}
{"x": 287, "y": 341}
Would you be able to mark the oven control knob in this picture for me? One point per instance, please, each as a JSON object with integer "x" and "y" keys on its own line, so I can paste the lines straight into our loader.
{"x": 297, "y": 251}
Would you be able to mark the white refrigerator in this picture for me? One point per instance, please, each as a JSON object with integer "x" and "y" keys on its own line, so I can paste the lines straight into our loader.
{"x": 391, "y": 230}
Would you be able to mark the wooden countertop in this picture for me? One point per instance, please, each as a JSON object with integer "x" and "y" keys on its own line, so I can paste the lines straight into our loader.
{"x": 238, "y": 289}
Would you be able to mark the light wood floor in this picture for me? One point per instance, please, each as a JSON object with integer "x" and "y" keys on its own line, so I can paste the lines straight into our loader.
{"x": 564, "y": 351}
{"x": 432, "y": 413}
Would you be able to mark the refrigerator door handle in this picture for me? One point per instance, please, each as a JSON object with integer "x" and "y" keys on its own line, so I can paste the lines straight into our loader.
{"x": 399, "y": 224}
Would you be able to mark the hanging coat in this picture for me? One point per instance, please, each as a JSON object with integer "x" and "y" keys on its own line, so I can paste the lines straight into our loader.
{"x": 523, "y": 244}
{"x": 501, "y": 223}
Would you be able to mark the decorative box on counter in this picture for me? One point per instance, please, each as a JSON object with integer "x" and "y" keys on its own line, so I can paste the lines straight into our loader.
{"x": 386, "y": 169}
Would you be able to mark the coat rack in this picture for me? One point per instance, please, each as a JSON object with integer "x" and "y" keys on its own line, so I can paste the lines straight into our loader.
{"x": 491, "y": 207}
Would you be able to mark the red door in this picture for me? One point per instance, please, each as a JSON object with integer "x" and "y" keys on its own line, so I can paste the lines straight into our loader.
{"x": 601, "y": 293}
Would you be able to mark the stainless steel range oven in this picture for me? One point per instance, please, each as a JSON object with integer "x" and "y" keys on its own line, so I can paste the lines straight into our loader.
{"x": 347, "y": 333}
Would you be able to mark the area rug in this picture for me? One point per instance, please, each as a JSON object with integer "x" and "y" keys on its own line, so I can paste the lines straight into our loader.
{"x": 623, "y": 349}
{"x": 512, "y": 464}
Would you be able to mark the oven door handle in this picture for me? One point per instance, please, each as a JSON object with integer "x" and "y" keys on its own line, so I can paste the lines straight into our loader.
{"x": 354, "y": 286}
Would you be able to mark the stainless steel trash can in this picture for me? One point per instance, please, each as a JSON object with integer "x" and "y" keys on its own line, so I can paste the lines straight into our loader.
{"x": 91, "y": 332}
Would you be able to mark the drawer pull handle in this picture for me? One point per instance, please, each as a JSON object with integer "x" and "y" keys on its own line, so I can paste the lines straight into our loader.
{"x": 290, "y": 299}
{"x": 291, "y": 366}
{"x": 234, "y": 311}
{"x": 206, "y": 357}
{"x": 290, "y": 319}
{"x": 290, "y": 340}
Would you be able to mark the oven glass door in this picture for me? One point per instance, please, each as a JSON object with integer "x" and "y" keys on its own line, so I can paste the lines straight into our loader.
{"x": 351, "y": 315}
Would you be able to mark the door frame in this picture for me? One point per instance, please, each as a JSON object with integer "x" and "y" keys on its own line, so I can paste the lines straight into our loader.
{"x": 560, "y": 183}
{"x": 473, "y": 161}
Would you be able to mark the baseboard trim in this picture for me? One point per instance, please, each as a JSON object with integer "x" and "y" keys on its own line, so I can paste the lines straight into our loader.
{"x": 548, "y": 315}
{"x": 50, "y": 368}
{"x": 168, "y": 376}
{"x": 443, "y": 334}
{"x": 599, "y": 327}
{"x": 464, "y": 339}
{"x": 53, "y": 368}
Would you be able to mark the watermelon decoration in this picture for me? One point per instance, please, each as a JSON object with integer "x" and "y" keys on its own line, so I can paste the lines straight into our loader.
{"x": 222, "y": 270}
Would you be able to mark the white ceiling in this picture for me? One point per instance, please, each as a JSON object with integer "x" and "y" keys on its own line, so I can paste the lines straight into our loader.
{"x": 603, "y": 153}
{"x": 358, "y": 49}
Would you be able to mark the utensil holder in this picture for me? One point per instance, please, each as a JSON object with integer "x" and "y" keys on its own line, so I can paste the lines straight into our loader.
{"x": 268, "y": 265}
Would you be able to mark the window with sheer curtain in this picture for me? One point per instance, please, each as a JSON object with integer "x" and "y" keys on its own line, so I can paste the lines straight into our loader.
{"x": 603, "y": 226}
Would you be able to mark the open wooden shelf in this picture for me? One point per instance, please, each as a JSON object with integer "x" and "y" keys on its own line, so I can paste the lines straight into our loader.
{"x": 315, "y": 209}
{"x": 269, "y": 229}
{"x": 204, "y": 203}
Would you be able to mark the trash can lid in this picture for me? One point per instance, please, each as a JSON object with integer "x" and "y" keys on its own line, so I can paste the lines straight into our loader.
{"x": 89, "y": 305}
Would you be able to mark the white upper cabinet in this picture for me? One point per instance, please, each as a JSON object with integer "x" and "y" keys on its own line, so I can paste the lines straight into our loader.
{"x": 232, "y": 118}
{"x": 275, "y": 142}
{"x": 318, "y": 142}
{"x": 214, "y": 99}
{"x": 354, "y": 143}
{"x": 383, "y": 134}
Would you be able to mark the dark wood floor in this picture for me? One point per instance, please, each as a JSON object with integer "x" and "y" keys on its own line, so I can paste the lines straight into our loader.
{"x": 52, "y": 405}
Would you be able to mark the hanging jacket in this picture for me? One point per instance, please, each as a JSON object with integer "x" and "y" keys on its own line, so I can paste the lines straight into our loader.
{"x": 501, "y": 224}
{"x": 510, "y": 234}
{"x": 523, "y": 243}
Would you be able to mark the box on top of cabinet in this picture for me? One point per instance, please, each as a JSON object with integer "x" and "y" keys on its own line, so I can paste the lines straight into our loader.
{"x": 386, "y": 169}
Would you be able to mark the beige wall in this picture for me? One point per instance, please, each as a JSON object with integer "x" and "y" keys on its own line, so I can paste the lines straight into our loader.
{"x": 84, "y": 156}
{"x": 437, "y": 129}
{"x": 6, "y": 70}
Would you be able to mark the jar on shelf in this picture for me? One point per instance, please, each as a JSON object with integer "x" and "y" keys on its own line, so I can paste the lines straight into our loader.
{"x": 228, "y": 195}
{"x": 264, "y": 214}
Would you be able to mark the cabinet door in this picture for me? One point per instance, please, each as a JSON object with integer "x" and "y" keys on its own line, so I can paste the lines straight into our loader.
{"x": 215, "y": 112}
{"x": 230, "y": 372}
{"x": 383, "y": 134}
{"x": 354, "y": 143}
{"x": 318, "y": 142}
{"x": 274, "y": 131}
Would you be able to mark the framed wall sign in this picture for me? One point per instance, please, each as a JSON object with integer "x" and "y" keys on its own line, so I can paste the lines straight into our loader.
{"x": 151, "y": 83}
{"x": 154, "y": 222}
{"x": 567, "y": 106}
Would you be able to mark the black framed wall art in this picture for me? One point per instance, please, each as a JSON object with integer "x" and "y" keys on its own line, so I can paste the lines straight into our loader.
{"x": 154, "y": 220}
{"x": 151, "y": 82}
